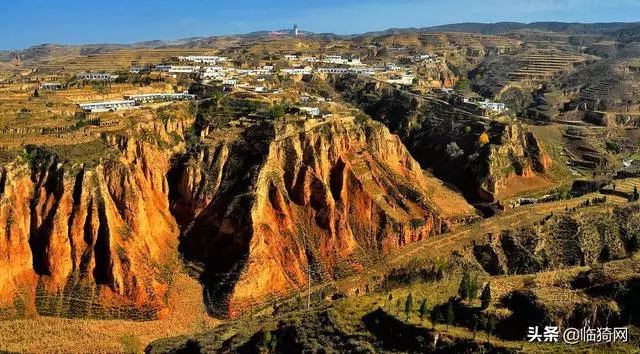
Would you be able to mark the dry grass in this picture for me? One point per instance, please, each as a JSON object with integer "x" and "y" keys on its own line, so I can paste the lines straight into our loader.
{"x": 58, "y": 335}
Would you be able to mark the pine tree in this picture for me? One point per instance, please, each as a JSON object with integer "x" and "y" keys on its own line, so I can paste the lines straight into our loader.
{"x": 389, "y": 300}
{"x": 485, "y": 298}
{"x": 435, "y": 317}
{"x": 450, "y": 315}
{"x": 423, "y": 310}
{"x": 463, "y": 289}
{"x": 398, "y": 306}
{"x": 474, "y": 286}
{"x": 36, "y": 93}
{"x": 408, "y": 306}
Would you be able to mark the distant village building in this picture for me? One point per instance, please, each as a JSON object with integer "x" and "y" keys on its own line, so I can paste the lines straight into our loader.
{"x": 297, "y": 71}
{"x": 139, "y": 70}
{"x": 107, "y": 106}
{"x": 211, "y": 59}
{"x": 291, "y": 57}
{"x": 230, "y": 82}
{"x": 254, "y": 72}
{"x": 313, "y": 111}
{"x": 493, "y": 107}
{"x": 161, "y": 97}
{"x": 213, "y": 72}
{"x": 334, "y": 59}
{"x": 178, "y": 69}
{"x": 354, "y": 62}
{"x": 50, "y": 86}
{"x": 402, "y": 80}
{"x": 95, "y": 76}
{"x": 358, "y": 71}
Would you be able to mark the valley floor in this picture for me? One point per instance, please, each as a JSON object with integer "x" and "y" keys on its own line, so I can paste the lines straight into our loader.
{"x": 59, "y": 335}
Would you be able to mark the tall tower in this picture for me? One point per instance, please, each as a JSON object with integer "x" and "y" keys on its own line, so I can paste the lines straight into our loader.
{"x": 295, "y": 30}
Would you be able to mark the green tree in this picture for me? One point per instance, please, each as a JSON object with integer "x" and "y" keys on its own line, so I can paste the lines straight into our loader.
{"x": 450, "y": 315}
{"x": 485, "y": 297}
{"x": 474, "y": 287}
{"x": 390, "y": 300}
{"x": 465, "y": 285}
{"x": 423, "y": 310}
{"x": 408, "y": 306}
{"x": 277, "y": 111}
{"x": 435, "y": 317}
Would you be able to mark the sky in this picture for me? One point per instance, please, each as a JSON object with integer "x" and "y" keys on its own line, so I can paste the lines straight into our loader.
{"x": 25, "y": 23}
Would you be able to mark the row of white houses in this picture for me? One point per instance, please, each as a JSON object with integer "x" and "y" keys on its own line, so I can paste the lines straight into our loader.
{"x": 333, "y": 70}
{"x": 95, "y": 76}
{"x": 210, "y": 59}
{"x": 132, "y": 101}
{"x": 329, "y": 59}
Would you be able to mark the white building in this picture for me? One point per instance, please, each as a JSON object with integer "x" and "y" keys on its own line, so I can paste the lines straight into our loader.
{"x": 178, "y": 69}
{"x": 334, "y": 59}
{"x": 107, "y": 106}
{"x": 354, "y": 62}
{"x": 334, "y": 70}
{"x": 402, "y": 80}
{"x": 96, "y": 76}
{"x": 138, "y": 69}
{"x": 297, "y": 71}
{"x": 290, "y": 57}
{"x": 161, "y": 97}
{"x": 230, "y": 82}
{"x": 253, "y": 72}
{"x": 358, "y": 71}
{"x": 494, "y": 107}
{"x": 212, "y": 59}
{"x": 213, "y": 72}
{"x": 309, "y": 59}
{"x": 313, "y": 111}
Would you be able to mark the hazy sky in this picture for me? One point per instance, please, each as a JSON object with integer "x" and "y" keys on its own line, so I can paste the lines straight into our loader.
{"x": 28, "y": 22}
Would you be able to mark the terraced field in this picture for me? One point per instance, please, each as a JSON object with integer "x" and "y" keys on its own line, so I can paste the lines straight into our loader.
{"x": 624, "y": 186}
{"x": 113, "y": 60}
{"x": 544, "y": 65}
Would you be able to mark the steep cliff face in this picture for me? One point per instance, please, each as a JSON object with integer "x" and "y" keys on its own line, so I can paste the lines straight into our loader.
{"x": 516, "y": 153}
{"x": 274, "y": 203}
{"x": 256, "y": 209}
{"x": 88, "y": 241}
{"x": 449, "y": 141}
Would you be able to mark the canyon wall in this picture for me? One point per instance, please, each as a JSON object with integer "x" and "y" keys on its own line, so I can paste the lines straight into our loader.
{"x": 266, "y": 206}
{"x": 450, "y": 141}
{"x": 88, "y": 241}
{"x": 254, "y": 210}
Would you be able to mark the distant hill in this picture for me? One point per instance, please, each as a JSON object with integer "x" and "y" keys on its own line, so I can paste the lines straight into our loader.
{"x": 614, "y": 29}
{"x": 621, "y": 31}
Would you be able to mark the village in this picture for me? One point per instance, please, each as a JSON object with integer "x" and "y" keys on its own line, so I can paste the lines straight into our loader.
{"x": 265, "y": 78}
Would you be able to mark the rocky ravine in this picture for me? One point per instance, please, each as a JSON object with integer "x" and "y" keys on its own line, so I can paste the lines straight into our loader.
{"x": 447, "y": 140}
{"x": 263, "y": 205}
{"x": 255, "y": 207}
